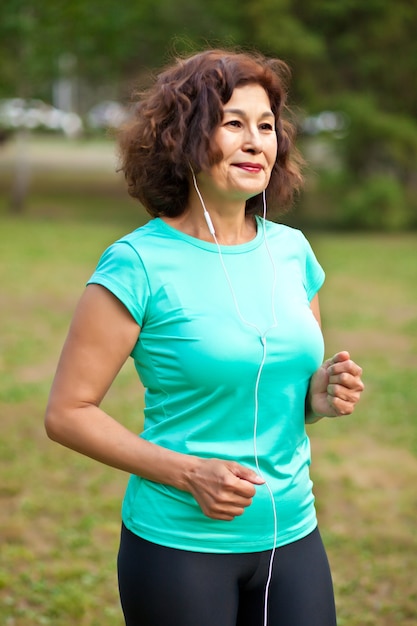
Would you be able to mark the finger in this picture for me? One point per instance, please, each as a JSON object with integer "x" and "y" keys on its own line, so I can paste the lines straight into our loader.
{"x": 233, "y": 492}
{"x": 221, "y": 509}
{"x": 229, "y": 487}
{"x": 340, "y": 357}
{"x": 244, "y": 473}
{"x": 341, "y": 407}
{"x": 243, "y": 489}
{"x": 348, "y": 366}
{"x": 345, "y": 379}
{"x": 343, "y": 393}
{"x": 232, "y": 503}
{"x": 225, "y": 516}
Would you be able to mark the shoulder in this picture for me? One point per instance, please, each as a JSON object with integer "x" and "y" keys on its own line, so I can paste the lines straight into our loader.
{"x": 291, "y": 245}
{"x": 288, "y": 235}
{"x": 141, "y": 234}
{"x": 131, "y": 245}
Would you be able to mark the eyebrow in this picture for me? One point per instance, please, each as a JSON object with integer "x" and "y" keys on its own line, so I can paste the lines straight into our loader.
{"x": 243, "y": 114}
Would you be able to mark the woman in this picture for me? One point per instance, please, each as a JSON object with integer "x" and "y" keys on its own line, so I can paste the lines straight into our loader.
{"x": 219, "y": 309}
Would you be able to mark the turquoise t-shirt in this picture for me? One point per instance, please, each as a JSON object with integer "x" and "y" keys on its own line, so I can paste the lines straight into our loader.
{"x": 199, "y": 362}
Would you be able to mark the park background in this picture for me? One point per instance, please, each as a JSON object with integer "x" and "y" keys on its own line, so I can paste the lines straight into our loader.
{"x": 354, "y": 101}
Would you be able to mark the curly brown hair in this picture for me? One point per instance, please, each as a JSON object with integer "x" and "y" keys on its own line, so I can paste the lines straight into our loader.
{"x": 173, "y": 123}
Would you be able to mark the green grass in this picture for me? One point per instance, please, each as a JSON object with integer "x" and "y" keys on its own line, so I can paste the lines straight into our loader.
{"x": 59, "y": 512}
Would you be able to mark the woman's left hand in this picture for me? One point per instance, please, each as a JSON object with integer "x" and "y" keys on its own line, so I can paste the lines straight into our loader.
{"x": 335, "y": 388}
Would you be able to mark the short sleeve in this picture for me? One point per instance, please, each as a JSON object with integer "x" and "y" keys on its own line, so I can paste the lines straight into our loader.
{"x": 121, "y": 271}
{"x": 314, "y": 273}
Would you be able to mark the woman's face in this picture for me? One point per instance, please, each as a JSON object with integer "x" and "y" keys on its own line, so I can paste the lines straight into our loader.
{"x": 246, "y": 136}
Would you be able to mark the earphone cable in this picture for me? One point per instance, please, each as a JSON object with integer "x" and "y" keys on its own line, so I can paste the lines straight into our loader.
{"x": 263, "y": 337}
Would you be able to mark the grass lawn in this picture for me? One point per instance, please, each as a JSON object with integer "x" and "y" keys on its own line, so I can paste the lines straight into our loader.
{"x": 59, "y": 512}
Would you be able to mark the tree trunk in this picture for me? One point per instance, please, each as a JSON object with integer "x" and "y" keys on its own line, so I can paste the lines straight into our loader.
{"x": 21, "y": 178}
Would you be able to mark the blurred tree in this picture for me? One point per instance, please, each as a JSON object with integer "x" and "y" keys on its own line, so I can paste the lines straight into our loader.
{"x": 110, "y": 42}
{"x": 351, "y": 45}
{"x": 276, "y": 28}
{"x": 370, "y": 47}
{"x": 355, "y": 55}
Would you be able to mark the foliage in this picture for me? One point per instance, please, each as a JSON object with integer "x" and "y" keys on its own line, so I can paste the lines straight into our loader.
{"x": 378, "y": 201}
{"x": 98, "y": 40}
{"x": 369, "y": 47}
{"x": 361, "y": 47}
{"x": 360, "y": 57}
{"x": 376, "y": 163}
{"x": 377, "y": 141}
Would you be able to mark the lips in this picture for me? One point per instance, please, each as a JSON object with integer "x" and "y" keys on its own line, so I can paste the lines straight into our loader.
{"x": 249, "y": 167}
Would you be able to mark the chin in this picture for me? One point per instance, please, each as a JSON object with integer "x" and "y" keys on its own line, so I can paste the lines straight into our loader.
{"x": 246, "y": 194}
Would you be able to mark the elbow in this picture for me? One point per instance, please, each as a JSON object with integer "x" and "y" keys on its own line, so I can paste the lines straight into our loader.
{"x": 53, "y": 424}
{"x": 50, "y": 425}
{"x": 64, "y": 423}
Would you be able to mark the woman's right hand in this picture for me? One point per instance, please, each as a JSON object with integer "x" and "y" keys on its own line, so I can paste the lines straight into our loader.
{"x": 223, "y": 489}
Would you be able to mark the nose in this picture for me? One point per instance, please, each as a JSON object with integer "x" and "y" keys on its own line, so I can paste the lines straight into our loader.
{"x": 252, "y": 141}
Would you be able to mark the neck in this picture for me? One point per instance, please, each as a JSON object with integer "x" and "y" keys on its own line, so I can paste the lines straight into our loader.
{"x": 231, "y": 224}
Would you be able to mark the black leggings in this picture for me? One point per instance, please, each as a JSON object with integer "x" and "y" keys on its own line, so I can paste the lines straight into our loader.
{"x": 162, "y": 586}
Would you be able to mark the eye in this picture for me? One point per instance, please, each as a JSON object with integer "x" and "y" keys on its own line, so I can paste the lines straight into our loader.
{"x": 234, "y": 123}
{"x": 266, "y": 126}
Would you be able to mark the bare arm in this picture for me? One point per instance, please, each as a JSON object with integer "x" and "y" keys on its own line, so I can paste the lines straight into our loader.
{"x": 336, "y": 387}
{"x": 101, "y": 337}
